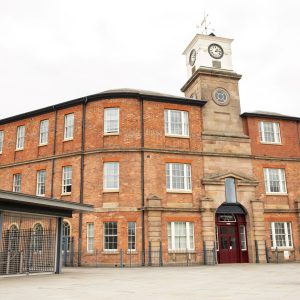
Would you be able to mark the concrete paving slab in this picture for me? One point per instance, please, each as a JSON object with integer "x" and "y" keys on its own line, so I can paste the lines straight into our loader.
{"x": 239, "y": 281}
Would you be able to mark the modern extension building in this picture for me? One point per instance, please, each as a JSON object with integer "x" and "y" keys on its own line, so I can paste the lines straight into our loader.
{"x": 178, "y": 175}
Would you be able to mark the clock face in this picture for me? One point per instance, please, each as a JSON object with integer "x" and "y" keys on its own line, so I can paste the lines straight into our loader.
{"x": 192, "y": 57}
{"x": 221, "y": 96}
{"x": 215, "y": 51}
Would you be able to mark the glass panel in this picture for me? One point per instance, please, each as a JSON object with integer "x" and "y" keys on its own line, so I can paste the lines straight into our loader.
{"x": 230, "y": 192}
{"x": 223, "y": 230}
{"x": 223, "y": 242}
{"x": 242, "y": 231}
{"x": 232, "y": 242}
{"x": 231, "y": 230}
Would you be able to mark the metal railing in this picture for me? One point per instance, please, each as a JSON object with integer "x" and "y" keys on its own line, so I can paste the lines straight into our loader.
{"x": 152, "y": 257}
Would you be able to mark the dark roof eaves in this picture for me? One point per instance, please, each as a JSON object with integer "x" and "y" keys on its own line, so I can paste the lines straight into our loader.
{"x": 70, "y": 103}
{"x": 268, "y": 116}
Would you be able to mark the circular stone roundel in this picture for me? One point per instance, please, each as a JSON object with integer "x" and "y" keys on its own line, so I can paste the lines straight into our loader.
{"x": 220, "y": 96}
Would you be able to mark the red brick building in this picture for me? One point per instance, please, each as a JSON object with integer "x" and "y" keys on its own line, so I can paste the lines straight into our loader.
{"x": 181, "y": 173}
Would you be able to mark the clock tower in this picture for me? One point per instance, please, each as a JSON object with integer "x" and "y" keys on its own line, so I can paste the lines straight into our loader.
{"x": 226, "y": 148}
{"x": 211, "y": 78}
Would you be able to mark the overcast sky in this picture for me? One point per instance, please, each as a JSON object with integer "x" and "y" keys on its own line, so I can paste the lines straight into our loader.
{"x": 54, "y": 51}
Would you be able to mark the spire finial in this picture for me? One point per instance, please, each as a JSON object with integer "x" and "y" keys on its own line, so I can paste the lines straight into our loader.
{"x": 204, "y": 26}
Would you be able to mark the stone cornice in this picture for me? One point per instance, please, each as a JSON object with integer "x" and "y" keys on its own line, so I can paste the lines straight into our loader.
{"x": 210, "y": 72}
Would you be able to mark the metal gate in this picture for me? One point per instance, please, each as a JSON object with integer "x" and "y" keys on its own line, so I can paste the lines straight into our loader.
{"x": 27, "y": 244}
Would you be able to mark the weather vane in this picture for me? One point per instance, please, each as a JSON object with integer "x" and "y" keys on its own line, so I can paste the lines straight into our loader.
{"x": 204, "y": 26}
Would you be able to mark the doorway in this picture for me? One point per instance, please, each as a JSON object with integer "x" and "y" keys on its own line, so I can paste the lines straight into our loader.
{"x": 231, "y": 238}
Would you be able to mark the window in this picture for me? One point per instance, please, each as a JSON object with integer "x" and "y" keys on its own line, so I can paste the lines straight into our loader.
{"x": 176, "y": 123}
{"x": 242, "y": 230}
{"x": 178, "y": 176}
{"x": 1, "y": 141}
{"x": 180, "y": 236}
{"x": 230, "y": 191}
{"x": 269, "y": 132}
{"x": 281, "y": 235}
{"x": 37, "y": 238}
{"x": 111, "y": 120}
{"x": 275, "y": 180}
{"x": 44, "y": 132}
{"x": 69, "y": 127}
{"x": 20, "y": 137}
{"x": 66, "y": 236}
{"x": 110, "y": 236}
{"x": 131, "y": 236}
{"x": 14, "y": 237}
{"x": 111, "y": 176}
{"x": 67, "y": 180}
{"x": 90, "y": 237}
{"x": 40, "y": 183}
{"x": 17, "y": 183}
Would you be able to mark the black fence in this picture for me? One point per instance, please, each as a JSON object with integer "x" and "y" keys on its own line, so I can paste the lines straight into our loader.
{"x": 279, "y": 256}
{"x": 130, "y": 258}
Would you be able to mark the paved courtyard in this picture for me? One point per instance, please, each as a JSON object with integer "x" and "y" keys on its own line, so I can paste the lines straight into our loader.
{"x": 247, "y": 281}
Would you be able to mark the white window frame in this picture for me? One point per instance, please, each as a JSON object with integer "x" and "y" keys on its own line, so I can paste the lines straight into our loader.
{"x": 17, "y": 182}
{"x": 20, "y": 141}
{"x": 67, "y": 172}
{"x": 243, "y": 238}
{"x": 287, "y": 228}
{"x": 112, "y": 174}
{"x": 41, "y": 182}
{"x": 187, "y": 180}
{"x": 1, "y": 140}
{"x": 90, "y": 235}
{"x": 184, "y": 123}
{"x": 69, "y": 127}
{"x": 110, "y": 235}
{"x": 172, "y": 247}
{"x": 44, "y": 129}
{"x": 130, "y": 236}
{"x": 263, "y": 134}
{"x": 108, "y": 128}
{"x": 282, "y": 181}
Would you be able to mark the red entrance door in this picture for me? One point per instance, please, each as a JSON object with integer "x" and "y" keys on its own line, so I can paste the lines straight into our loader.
{"x": 228, "y": 250}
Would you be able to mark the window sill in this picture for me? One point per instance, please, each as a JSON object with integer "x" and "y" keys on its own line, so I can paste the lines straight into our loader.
{"x": 20, "y": 149}
{"x": 177, "y": 136}
{"x": 133, "y": 252}
{"x": 276, "y": 194}
{"x": 65, "y": 194}
{"x": 270, "y": 143}
{"x": 111, "y": 191}
{"x": 68, "y": 140}
{"x": 111, "y": 252}
{"x": 110, "y": 133}
{"x": 179, "y": 191}
{"x": 41, "y": 195}
{"x": 42, "y": 145}
{"x": 181, "y": 251}
{"x": 281, "y": 249}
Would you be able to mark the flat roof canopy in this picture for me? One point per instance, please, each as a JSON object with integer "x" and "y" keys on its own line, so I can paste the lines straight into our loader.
{"x": 19, "y": 202}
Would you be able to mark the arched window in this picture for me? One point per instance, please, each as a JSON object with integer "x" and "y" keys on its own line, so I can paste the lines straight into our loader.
{"x": 13, "y": 234}
{"x": 37, "y": 237}
{"x": 66, "y": 236}
{"x": 230, "y": 191}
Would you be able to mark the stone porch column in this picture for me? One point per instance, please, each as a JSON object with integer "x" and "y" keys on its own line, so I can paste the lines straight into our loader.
{"x": 259, "y": 230}
{"x": 154, "y": 222}
{"x": 208, "y": 221}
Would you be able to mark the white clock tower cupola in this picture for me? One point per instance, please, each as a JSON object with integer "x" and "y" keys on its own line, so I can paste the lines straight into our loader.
{"x": 208, "y": 51}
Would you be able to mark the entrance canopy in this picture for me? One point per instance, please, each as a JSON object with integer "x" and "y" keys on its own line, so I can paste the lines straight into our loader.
{"x": 11, "y": 201}
{"x": 231, "y": 208}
